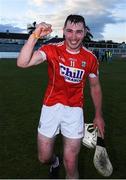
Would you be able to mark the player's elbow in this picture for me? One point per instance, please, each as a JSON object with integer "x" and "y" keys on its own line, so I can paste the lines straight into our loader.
{"x": 96, "y": 89}
{"x": 21, "y": 64}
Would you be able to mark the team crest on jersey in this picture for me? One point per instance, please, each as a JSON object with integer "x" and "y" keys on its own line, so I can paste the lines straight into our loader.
{"x": 83, "y": 64}
{"x": 71, "y": 74}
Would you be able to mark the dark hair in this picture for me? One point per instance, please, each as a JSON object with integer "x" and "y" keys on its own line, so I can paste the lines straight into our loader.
{"x": 73, "y": 18}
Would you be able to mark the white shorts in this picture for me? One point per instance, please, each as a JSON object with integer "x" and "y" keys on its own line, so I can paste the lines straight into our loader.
{"x": 59, "y": 118}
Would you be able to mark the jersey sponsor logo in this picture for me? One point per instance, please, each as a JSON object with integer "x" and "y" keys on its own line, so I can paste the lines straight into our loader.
{"x": 71, "y": 74}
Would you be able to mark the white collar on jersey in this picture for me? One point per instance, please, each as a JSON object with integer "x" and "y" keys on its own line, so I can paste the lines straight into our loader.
{"x": 71, "y": 52}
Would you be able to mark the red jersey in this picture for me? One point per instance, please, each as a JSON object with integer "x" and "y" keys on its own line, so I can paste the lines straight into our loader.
{"x": 67, "y": 73}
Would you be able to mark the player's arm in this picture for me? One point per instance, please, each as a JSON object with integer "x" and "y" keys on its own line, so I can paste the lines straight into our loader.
{"x": 96, "y": 95}
{"x": 27, "y": 56}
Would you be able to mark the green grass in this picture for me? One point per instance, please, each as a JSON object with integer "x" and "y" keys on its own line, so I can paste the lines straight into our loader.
{"x": 21, "y": 93}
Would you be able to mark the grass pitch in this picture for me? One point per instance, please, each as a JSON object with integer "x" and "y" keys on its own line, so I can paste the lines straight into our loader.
{"x": 21, "y": 94}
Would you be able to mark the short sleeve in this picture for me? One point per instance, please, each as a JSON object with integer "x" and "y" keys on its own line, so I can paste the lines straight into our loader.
{"x": 46, "y": 51}
{"x": 94, "y": 71}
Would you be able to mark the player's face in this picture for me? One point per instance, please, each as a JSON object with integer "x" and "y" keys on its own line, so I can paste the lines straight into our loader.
{"x": 74, "y": 34}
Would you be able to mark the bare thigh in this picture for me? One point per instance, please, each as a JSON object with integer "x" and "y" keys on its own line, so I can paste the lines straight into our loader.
{"x": 45, "y": 148}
